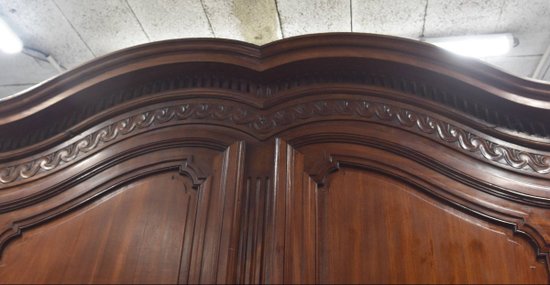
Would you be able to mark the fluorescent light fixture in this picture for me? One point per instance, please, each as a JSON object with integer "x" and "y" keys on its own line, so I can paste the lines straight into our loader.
{"x": 9, "y": 41}
{"x": 476, "y": 46}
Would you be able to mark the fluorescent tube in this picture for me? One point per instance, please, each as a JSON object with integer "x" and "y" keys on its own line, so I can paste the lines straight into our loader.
{"x": 9, "y": 41}
{"x": 476, "y": 46}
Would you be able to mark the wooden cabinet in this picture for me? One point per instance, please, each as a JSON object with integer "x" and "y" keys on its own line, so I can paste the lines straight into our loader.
{"x": 339, "y": 158}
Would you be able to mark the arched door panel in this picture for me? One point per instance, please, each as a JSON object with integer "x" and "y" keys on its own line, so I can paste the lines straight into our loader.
{"x": 325, "y": 158}
{"x": 375, "y": 229}
{"x": 141, "y": 232}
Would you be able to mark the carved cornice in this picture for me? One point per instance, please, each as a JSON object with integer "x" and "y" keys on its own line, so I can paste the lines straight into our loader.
{"x": 266, "y": 123}
{"x": 517, "y": 108}
{"x": 354, "y": 46}
{"x": 256, "y": 89}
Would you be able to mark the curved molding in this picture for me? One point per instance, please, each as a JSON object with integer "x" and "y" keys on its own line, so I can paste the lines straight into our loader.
{"x": 414, "y": 53}
{"x": 15, "y": 228}
{"x": 266, "y": 123}
{"x": 518, "y": 225}
{"x": 327, "y": 165}
{"x": 322, "y": 169}
{"x": 515, "y": 106}
{"x": 207, "y": 216}
{"x": 181, "y": 163}
{"x": 184, "y": 165}
{"x": 192, "y": 171}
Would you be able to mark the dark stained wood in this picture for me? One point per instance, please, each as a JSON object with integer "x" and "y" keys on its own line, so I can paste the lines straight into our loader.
{"x": 374, "y": 229}
{"x": 338, "y": 158}
{"x": 138, "y": 234}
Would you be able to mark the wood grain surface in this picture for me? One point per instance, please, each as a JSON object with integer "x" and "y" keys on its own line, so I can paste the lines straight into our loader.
{"x": 334, "y": 158}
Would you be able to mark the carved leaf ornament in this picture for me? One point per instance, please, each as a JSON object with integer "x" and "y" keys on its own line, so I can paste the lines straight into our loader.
{"x": 267, "y": 122}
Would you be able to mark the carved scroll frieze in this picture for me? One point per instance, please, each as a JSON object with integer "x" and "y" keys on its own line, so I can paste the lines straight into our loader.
{"x": 441, "y": 130}
{"x": 265, "y": 123}
{"x": 250, "y": 88}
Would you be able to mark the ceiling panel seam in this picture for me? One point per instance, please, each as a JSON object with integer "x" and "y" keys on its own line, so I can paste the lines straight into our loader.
{"x": 74, "y": 29}
{"x": 424, "y": 19}
{"x": 17, "y": 84}
{"x": 208, "y": 20}
{"x": 500, "y": 15}
{"x": 351, "y": 15}
{"x": 137, "y": 19}
{"x": 279, "y": 18}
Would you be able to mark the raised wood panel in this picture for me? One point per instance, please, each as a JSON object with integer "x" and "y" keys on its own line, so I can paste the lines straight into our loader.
{"x": 375, "y": 229}
{"x": 141, "y": 233}
{"x": 327, "y": 158}
{"x": 290, "y": 234}
{"x": 378, "y": 217}
{"x": 256, "y": 204}
{"x": 214, "y": 177}
{"x": 218, "y": 220}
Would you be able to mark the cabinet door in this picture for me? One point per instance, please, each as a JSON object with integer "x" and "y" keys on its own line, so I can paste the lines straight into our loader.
{"x": 135, "y": 213}
{"x": 369, "y": 216}
{"x": 140, "y": 232}
{"x": 375, "y": 228}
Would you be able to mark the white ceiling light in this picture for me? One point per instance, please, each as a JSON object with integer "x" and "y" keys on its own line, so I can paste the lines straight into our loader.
{"x": 476, "y": 46}
{"x": 9, "y": 41}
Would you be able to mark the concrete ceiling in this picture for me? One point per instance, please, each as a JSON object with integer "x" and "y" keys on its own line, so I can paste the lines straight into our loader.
{"x": 76, "y": 31}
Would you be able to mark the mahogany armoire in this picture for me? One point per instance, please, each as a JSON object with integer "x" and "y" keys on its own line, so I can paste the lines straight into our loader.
{"x": 331, "y": 158}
